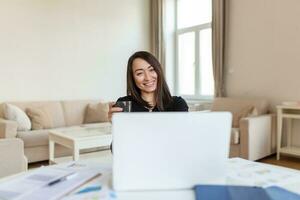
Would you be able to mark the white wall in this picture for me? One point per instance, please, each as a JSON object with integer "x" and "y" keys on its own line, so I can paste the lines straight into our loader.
{"x": 262, "y": 51}
{"x": 69, "y": 49}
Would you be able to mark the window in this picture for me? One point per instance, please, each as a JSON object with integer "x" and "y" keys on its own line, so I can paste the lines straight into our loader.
{"x": 193, "y": 49}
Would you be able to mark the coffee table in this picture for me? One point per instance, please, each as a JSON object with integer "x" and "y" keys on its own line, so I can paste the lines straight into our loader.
{"x": 78, "y": 139}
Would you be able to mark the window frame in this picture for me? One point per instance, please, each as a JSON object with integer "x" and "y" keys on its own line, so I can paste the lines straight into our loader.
{"x": 196, "y": 30}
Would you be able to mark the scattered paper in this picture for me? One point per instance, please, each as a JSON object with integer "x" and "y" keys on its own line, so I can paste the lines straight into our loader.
{"x": 244, "y": 172}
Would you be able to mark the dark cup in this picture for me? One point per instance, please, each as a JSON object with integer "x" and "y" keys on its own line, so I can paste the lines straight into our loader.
{"x": 126, "y": 105}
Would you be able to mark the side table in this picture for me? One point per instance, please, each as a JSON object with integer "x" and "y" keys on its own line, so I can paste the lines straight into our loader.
{"x": 288, "y": 112}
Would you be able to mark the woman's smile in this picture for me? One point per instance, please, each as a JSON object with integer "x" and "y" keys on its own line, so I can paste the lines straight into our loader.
{"x": 150, "y": 84}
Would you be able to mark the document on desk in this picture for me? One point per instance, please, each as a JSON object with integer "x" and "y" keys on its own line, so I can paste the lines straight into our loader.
{"x": 257, "y": 174}
{"x": 63, "y": 188}
{"x": 17, "y": 188}
{"x": 46, "y": 183}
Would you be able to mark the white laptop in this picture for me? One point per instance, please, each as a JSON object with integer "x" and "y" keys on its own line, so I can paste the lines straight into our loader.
{"x": 169, "y": 150}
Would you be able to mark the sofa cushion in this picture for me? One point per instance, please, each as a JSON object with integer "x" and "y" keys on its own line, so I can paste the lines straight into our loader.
{"x": 54, "y": 108}
{"x": 2, "y": 107}
{"x": 40, "y": 137}
{"x": 96, "y": 113}
{"x": 74, "y": 111}
{"x": 238, "y": 115}
{"x": 14, "y": 113}
{"x": 232, "y": 104}
{"x": 40, "y": 118}
{"x": 240, "y": 107}
{"x": 34, "y": 138}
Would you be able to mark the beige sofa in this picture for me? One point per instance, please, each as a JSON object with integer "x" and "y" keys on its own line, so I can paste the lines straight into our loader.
{"x": 64, "y": 114}
{"x": 253, "y": 132}
{"x": 12, "y": 158}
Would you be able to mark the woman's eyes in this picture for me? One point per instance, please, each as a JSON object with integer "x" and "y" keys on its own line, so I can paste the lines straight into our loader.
{"x": 151, "y": 69}
{"x": 141, "y": 73}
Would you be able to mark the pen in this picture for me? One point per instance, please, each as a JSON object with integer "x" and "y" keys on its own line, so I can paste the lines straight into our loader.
{"x": 66, "y": 177}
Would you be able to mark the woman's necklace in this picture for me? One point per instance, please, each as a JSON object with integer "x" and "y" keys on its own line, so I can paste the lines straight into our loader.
{"x": 150, "y": 100}
{"x": 149, "y": 109}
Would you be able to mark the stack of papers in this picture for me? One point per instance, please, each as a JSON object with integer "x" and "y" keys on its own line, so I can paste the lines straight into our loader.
{"x": 49, "y": 183}
{"x": 244, "y": 172}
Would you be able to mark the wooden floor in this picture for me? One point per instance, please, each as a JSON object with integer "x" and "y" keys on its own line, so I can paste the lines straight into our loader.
{"x": 285, "y": 161}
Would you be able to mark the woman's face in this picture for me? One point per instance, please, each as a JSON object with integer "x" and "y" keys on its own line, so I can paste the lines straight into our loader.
{"x": 144, "y": 75}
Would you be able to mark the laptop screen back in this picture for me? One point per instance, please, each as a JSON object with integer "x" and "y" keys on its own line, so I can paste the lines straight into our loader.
{"x": 159, "y": 151}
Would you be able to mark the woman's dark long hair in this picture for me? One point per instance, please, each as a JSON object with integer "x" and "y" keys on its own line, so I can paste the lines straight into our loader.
{"x": 162, "y": 93}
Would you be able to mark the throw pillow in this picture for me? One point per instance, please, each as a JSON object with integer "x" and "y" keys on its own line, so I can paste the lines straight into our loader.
{"x": 238, "y": 108}
{"x": 96, "y": 113}
{"x": 237, "y": 116}
{"x": 40, "y": 118}
{"x": 14, "y": 113}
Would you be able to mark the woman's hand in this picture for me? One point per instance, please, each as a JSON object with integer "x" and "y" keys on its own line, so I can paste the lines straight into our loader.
{"x": 113, "y": 110}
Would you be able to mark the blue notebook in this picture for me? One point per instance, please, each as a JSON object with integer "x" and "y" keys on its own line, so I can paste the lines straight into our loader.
{"x": 226, "y": 192}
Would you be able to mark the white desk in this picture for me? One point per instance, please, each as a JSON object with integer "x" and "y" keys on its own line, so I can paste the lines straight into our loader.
{"x": 289, "y": 113}
{"x": 240, "y": 172}
{"x": 158, "y": 195}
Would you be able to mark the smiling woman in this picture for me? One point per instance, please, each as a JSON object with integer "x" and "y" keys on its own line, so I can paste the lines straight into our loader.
{"x": 147, "y": 88}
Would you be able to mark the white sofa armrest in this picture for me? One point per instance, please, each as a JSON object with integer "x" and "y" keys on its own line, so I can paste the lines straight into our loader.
{"x": 8, "y": 129}
{"x": 12, "y": 157}
{"x": 256, "y": 136}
